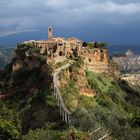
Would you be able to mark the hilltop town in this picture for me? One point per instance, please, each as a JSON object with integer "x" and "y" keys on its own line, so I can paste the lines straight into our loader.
{"x": 59, "y": 49}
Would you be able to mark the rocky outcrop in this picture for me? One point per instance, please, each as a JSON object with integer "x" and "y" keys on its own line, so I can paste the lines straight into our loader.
{"x": 128, "y": 63}
{"x": 27, "y": 58}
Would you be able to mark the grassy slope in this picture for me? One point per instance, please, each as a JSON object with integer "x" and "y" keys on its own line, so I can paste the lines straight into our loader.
{"x": 114, "y": 106}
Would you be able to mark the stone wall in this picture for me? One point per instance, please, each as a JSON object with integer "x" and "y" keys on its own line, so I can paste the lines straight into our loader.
{"x": 95, "y": 59}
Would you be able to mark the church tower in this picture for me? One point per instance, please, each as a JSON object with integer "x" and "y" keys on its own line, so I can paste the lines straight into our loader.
{"x": 50, "y": 33}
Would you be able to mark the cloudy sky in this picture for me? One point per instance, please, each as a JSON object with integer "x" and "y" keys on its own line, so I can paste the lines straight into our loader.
{"x": 114, "y": 21}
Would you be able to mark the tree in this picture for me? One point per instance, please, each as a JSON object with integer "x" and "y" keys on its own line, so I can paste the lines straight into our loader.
{"x": 85, "y": 44}
{"x": 100, "y": 44}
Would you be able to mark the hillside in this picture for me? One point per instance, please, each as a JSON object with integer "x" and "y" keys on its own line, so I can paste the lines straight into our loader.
{"x": 113, "y": 109}
{"x": 101, "y": 106}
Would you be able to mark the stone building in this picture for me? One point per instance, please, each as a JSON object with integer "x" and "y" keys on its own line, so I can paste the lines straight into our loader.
{"x": 58, "y": 47}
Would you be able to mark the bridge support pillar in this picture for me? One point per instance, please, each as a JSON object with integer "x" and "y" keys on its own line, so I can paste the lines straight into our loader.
{"x": 66, "y": 119}
{"x": 60, "y": 110}
{"x": 58, "y": 102}
{"x": 63, "y": 116}
{"x": 64, "y": 112}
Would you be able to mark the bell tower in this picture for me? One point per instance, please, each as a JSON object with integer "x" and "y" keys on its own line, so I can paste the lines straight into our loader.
{"x": 50, "y": 33}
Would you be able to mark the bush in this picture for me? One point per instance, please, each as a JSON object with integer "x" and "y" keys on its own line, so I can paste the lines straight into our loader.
{"x": 44, "y": 134}
{"x": 75, "y": 66}
{"x": 86, "y": 102}
{"x": 113, "y": 94}
{"x": 8, "y": 130}
{"x": 79, "y": 61}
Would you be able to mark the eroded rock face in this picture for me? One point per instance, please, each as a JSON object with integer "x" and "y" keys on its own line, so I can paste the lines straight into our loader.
{"x": 128, "y": 63}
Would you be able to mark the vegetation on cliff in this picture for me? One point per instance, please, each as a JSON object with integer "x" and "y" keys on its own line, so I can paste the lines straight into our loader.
{"x": 94, "y": 44}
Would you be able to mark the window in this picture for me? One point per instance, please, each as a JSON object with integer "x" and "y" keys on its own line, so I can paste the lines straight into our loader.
{"x": 60, "y": 53}
{"x": 89, "y": 59}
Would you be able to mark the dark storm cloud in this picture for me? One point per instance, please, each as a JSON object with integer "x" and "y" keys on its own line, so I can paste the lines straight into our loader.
{"x": 31, "y": 15}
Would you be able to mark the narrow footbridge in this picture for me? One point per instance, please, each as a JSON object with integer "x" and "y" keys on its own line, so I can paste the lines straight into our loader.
{"x": 64, "y": 112}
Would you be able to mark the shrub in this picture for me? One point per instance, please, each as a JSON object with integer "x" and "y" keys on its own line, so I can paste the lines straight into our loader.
{"x": 44, "y": 134}
{"x": 86, "y": 102}
{"x": 8, "y": 130}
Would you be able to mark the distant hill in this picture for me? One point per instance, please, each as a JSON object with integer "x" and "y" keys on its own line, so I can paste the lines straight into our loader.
{"x": 129, "y": 62}
{"x": 5, "y": 56}
{"x": 120, "y": 49}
